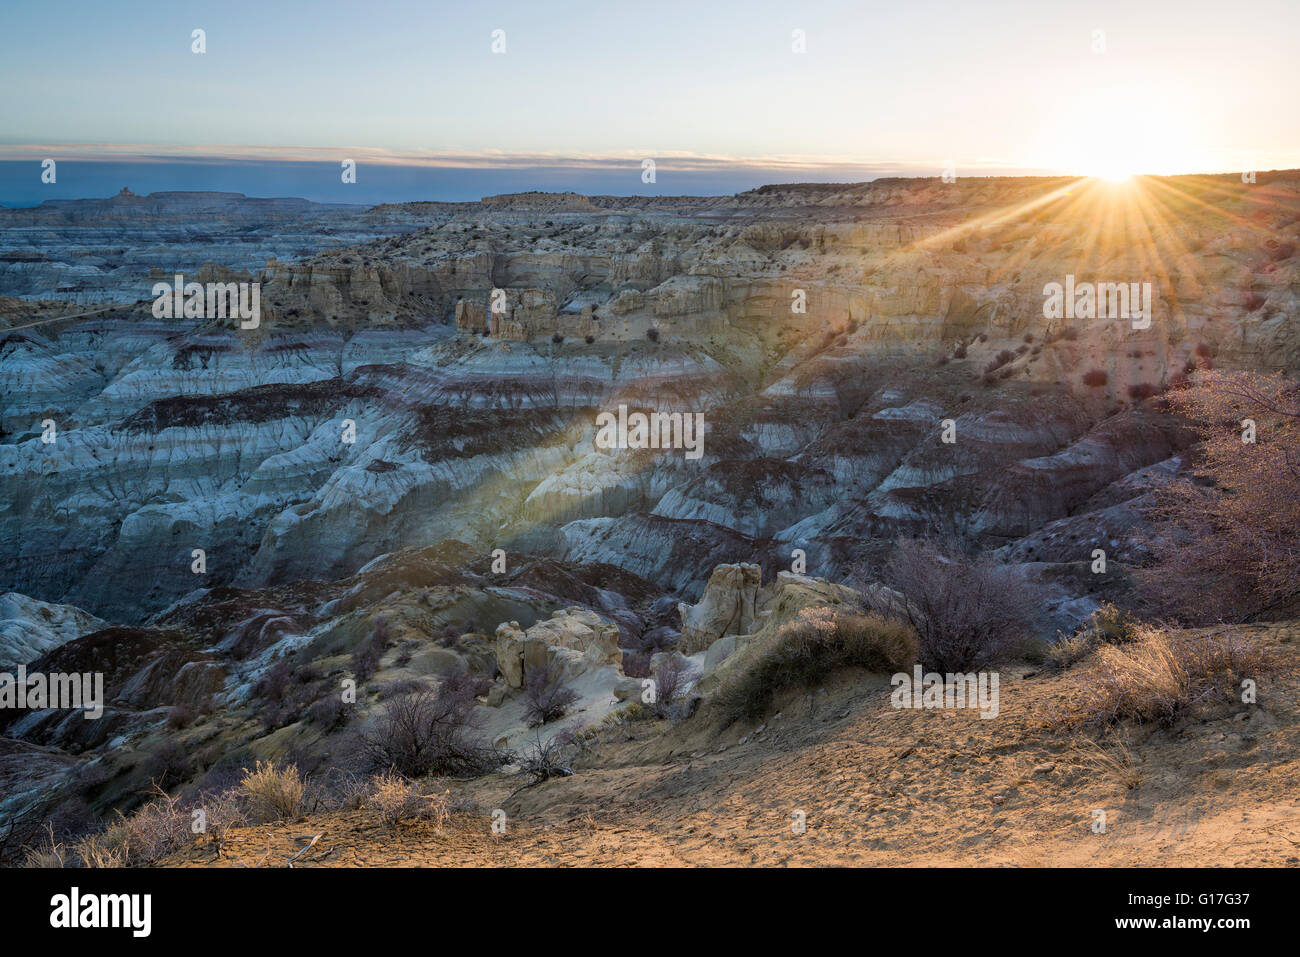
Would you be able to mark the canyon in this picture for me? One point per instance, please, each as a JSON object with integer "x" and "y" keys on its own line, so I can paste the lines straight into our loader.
{"x": 425, "y": 386}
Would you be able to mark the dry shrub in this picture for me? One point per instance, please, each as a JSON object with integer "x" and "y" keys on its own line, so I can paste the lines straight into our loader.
{"x": 427, "y": 732}
{"x": 46, "y": 857}
{"x": 1224, "y": 545}
{"x": 340, "y": 787}
{"x": 807, "y": 650}
{"x": 1160, "y": 676}
{"x": 548, "y": 759}
{"x": 273, "y": 684}
{"x": 273, "y": 794}
{"x": 107, "y": 849}
{"x": 153, "y": 832}
{"x": 1109, "y": 625}
{"x": 636, "y": 664}
{"x": 969, "y": 613}
{"x": 168, "y": 762}
{"x": 1115, "y": 759}
{"x": 670, "y": 682}
{"x": 328, "y": 713}
{"x": 999, "y": 360}
{"x": 366, "y": 655}
{"x": 547, "y": 696}
{"x": 146, "y": 837}
{"x": 224, "y": 812}
{"x": 1114, "y": 625}
{"x": 397, "y": 799}
{"x": 464, "y": 683}
{"x": 50, "y": 853}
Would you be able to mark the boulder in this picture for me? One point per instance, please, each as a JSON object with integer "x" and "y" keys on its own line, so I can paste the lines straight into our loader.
{"x": 628, "y": 689}
{"x": 719, "y": 652}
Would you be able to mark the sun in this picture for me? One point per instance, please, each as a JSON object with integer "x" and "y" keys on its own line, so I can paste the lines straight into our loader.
{"x": 1115, "y": 173}
{"x": 1122, "y": 130}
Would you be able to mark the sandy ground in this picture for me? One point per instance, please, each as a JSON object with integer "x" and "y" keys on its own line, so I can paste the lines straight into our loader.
{"x": 877, "y": 787}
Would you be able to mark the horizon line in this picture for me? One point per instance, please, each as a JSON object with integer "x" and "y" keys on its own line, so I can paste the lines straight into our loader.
{"x": 680, "y": 161}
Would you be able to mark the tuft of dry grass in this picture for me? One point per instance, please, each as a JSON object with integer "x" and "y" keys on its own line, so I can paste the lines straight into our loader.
{"x": 1117, "y": 760}
{"x": 273, "y": 794}
{"x": 1160, "y": 676}
{"x": 145, "y": 837}
{"x": 807, "y": 650}
{"x": 1113, "y": 625}
{"x": 397, "y": 799}
{"x": 1107, "y": 625}
{"x": 1070, "y": 651}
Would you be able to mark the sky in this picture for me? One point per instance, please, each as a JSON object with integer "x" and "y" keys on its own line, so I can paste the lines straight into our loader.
{"x": 714, "y": 92}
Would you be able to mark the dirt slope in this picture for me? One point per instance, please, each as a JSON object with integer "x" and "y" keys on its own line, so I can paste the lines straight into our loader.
{"x": 878, "y": 786}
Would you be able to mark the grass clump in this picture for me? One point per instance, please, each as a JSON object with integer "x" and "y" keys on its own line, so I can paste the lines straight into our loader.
{"x": 396, "y": 799}
{"x": 1160, "y": 676}
{"x": 273, "y": 794}
{"x": 808, "y": 649}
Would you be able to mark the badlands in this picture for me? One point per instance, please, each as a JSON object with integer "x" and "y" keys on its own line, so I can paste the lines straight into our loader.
{"x": 394, "y": 480}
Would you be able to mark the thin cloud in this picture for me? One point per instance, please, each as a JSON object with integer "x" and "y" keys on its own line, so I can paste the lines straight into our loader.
{"x": 675, "y": 160}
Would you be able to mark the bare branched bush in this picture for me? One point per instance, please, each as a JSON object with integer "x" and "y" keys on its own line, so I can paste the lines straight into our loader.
{"x": 465, "y": 684}
{"x": 807, "y": 650}
{"x": 223, "y": 812}
{"x": 547, "y": 696}
{"x": 366, "y": 655}
{"x": 547, "y": 759}
{"x": 143, "y": 838}
{"x": 670, "y": 684}
{"x": 427, "y": 732}
{"x": 273, "y": 684}
{"x": 1225, "y": 546}
{"x": 273, "y": 794}
{"x": 328, "y": 712}
{"x": 168, "y": 762}
{"x": 968, "y": 612}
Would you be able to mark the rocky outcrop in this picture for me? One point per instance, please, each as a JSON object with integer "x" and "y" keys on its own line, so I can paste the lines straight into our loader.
{"x": 576, "y": 639}
{"x": 710, "y": 632}
{"x": 729, "y": 606}
{"x": 29, "y": 628}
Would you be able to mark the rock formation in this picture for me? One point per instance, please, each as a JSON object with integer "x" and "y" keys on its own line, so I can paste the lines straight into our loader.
{"x": 575, "y": 639}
